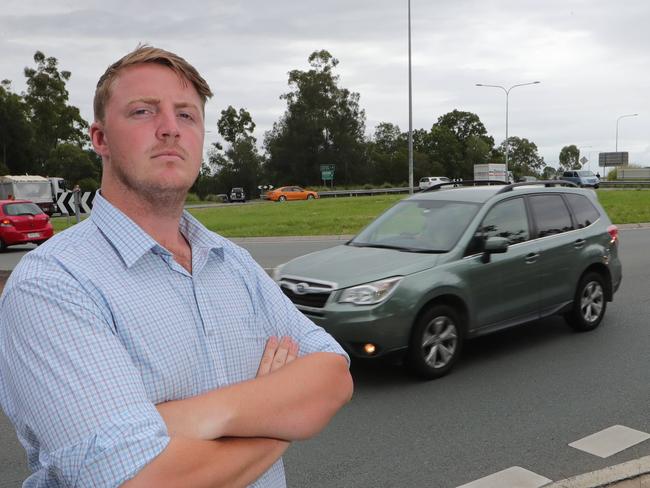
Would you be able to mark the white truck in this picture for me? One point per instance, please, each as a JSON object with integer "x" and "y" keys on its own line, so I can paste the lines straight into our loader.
{"x": 38, "y": 189}
{"x": 492, "y": 172}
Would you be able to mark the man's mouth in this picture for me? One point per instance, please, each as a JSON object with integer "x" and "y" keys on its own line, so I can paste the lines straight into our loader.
{"x": 168, "y": 153}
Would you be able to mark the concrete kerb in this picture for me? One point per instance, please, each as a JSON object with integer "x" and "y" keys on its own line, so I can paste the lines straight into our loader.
{"x": 632, "y": 474}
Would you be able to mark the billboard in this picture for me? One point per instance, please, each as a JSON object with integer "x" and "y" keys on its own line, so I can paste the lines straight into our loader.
{"x": 613, "y": 159}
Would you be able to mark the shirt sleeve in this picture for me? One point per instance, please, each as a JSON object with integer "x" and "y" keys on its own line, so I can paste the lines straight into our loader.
{"x": 70, "y": 388}
{"x": 283, "y": 316}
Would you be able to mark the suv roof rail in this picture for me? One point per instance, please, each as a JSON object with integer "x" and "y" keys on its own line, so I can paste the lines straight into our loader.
{"x": 546, "y": 183}
{"x": 464, "y": 183}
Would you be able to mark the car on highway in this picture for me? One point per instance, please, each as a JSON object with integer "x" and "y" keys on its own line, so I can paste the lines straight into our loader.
{"x": 582, "y": 178}
{"x": 23, "y": 222}
{"x": 450, "y": 264}
{"x": 237, "y": 195}
{"x": 285, "y": 193}
{"x": 429, "y": 181}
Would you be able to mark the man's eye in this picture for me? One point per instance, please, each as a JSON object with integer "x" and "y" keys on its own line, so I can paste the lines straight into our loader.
{"x": 185, "y": 115}
{"x": 141, "y": 111}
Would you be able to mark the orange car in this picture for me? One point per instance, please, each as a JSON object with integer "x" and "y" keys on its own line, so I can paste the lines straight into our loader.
{"x": 290, "y": 193}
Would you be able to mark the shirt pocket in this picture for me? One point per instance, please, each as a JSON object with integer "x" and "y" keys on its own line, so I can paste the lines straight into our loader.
{"x": 238, "y": 345}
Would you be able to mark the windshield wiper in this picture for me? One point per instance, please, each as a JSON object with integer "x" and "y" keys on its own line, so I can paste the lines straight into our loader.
{"x": 398, "y": 248}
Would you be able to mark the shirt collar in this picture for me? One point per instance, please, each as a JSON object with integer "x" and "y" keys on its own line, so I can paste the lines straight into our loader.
{"x": 132, "y": 242}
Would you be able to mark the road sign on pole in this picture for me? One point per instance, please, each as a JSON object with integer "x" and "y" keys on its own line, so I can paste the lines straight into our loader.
{"x": 613, "y": 159}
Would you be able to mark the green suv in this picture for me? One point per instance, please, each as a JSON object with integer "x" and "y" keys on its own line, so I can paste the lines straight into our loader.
{"x": 452, "y": 263}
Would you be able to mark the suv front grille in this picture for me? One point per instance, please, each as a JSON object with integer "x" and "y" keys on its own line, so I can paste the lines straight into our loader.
{"x": 305, "y": 293}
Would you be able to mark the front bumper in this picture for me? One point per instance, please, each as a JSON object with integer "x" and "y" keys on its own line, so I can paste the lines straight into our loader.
{"x": 354, "y": 326}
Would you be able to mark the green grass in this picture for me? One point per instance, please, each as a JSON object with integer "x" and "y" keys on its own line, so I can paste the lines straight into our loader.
{"x": 336, "y": 216}
{"x": 626, "y": 206}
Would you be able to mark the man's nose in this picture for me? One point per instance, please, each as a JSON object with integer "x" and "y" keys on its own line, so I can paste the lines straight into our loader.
{"x": 167, "y": 125}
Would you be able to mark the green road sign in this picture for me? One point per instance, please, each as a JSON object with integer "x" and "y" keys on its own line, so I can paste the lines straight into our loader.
{"x": 327, "y": 175}
{"x": 327, "y": 167}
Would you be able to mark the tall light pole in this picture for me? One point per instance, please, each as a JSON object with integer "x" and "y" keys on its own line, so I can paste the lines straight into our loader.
{"x": 621, "y": 117}
{"x": 507, "y": 92}
{"x": 410, "y": 111}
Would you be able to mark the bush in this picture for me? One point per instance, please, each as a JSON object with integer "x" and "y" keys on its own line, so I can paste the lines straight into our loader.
{"x": 88, "y": 184}
{"x": 385, "y": 184}
{"x": 368, "y": 186}
{"x": 192, "y": 197}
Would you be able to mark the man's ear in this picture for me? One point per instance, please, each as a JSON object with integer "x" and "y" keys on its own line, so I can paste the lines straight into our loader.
{"x": 98, "y": 138}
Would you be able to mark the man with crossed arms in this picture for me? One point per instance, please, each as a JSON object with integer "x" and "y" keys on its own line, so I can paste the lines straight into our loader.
{"x": 140, "y": 349}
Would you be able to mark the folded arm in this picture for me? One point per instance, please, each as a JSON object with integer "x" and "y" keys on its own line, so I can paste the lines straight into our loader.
{"x": 294, "y": 401}
{"x": 197, "y": 463}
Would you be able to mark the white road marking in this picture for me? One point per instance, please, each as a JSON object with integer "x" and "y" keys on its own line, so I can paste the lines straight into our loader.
{"x": 610, "y": 441}
{"x": 514, "y": 477}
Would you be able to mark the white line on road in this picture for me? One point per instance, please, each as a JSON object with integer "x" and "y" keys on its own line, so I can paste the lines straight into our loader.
{"x": 512, "y": 477}
{"x": 610, "y": 441}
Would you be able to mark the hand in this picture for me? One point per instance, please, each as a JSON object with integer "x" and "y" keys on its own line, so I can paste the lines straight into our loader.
{"x": 277, "y": 354}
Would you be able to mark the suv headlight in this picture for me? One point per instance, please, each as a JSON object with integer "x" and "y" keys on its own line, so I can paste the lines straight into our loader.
{"x": 370, "y": 293}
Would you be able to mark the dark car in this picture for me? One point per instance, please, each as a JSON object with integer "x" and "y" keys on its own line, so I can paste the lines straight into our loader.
{"x": 449, "y": 264}
{"x": 237, "y": 195}
{"x": 23, "y": 222}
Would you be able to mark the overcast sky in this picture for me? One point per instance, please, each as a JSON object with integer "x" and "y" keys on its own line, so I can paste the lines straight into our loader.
{"x": 592, "y": 58}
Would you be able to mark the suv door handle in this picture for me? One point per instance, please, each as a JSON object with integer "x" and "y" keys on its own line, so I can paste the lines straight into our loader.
{"x": 532, "y": 257}
{"x": 579, "y": 244}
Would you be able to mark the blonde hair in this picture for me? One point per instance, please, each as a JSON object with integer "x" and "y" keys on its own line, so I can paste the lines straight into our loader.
{"x": 147, "y": 54}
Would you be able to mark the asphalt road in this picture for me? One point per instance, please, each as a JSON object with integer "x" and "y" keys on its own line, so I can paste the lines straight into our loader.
{"x": 517, "y": 398}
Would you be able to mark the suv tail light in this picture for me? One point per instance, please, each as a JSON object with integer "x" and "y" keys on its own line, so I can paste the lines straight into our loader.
{"x": 6, "y": 223}
{"x": 612, "y": 230}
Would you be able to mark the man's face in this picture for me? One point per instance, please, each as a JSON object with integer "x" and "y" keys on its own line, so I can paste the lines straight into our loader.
{"x": 151, "y": 139}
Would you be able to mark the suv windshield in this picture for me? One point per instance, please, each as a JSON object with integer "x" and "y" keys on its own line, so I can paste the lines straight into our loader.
{"x": 585, "y": 173}
{"x": 418, "y": 226}
{"x": 15, "y": 209}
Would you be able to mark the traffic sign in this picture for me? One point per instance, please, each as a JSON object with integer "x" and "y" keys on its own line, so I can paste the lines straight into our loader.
{"x": 65, "y": 202}
{"x": 584, "y": 160}
{"x": 613, "y": 159}
{"x": 327, "y": 167}
{"x": 327, "y": 175}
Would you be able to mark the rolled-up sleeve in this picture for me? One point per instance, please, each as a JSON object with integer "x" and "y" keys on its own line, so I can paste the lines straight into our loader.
{"x": 75, "y": 397}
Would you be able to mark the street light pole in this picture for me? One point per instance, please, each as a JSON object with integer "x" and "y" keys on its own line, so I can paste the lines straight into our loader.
{"x": 507, "y": 92}
{"x": 621, "y": 117}
{"x": 410, "y": 110}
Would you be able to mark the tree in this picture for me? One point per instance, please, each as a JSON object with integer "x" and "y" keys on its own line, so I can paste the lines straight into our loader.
{"x": 523, "y": 158}
{"x": 569, "y": 158}
{"x": 53, "y": 120}
{"x": 456, "y": 142}
{"x": 323, "y": 124}
{"x": 549, "y": 173}
{"x": 74, "y": 164}
{"x": 239, "y": 165}
{"x": 16, "y": 134}
{"x": 233, "y": 125}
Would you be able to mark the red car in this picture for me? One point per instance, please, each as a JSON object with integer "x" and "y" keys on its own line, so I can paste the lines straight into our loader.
{"x": 22, "y": 222}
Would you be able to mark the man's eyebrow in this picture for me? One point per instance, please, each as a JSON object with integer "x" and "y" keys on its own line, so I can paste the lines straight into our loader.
{"x": 148, "y": 100}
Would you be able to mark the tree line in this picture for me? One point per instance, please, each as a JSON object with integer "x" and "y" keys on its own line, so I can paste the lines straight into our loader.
{"x": 323, "y": 123}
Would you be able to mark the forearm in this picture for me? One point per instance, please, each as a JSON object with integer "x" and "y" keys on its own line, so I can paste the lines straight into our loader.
{"x": 295, "y": 402}
{"x": 198, "y": 463}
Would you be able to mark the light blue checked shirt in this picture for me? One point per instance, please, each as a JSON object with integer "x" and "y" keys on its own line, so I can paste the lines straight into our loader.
{"x": 100, "y": 323}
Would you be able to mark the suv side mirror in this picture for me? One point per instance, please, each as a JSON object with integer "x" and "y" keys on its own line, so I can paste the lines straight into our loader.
{"x": 494, "y": 245}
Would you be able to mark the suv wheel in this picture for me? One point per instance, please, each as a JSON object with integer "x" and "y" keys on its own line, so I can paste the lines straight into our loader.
{"x": 436, "y": 342}
{"x": 589, "y": 304}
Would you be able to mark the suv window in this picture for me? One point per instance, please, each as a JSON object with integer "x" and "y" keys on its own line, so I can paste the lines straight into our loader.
{"x": 507, "y": 219}
{"x": 550, "y": 214}
{"x": 583, "y": 210}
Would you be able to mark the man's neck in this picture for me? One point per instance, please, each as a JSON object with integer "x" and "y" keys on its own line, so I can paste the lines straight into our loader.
{"x": 160, "y": 220}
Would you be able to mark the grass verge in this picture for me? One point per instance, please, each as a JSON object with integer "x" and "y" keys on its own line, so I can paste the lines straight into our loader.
{"x": 336, "y": 216}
